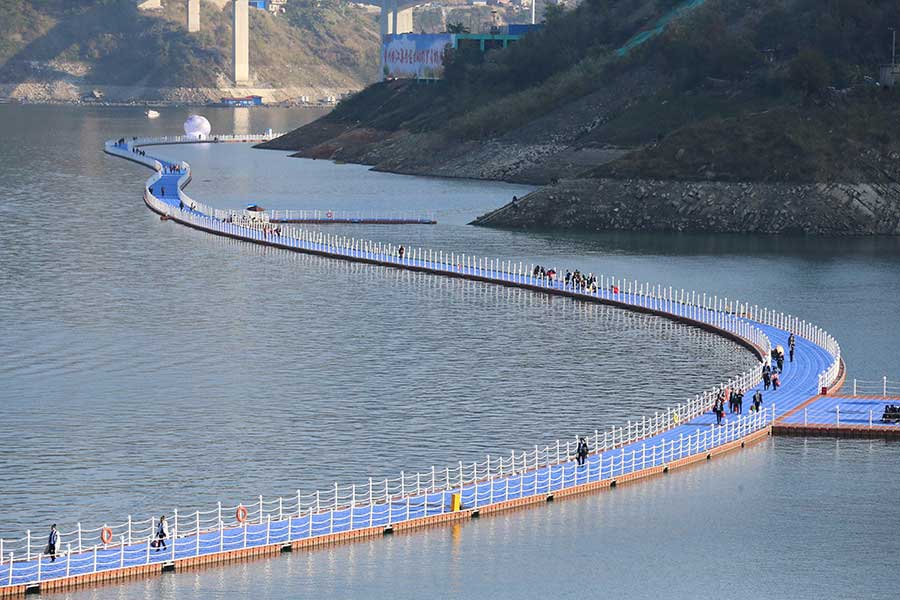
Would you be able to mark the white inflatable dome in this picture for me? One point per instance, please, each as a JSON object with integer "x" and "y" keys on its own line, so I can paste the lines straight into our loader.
{"x": 197, "y": 126}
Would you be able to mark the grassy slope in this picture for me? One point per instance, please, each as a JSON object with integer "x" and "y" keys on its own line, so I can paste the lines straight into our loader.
{"x": 336, "y": 45}
{"x": 839, "y": 141}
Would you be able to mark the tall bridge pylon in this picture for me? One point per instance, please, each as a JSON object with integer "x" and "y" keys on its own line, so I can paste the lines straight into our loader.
{"x": 241, "y": 41}
{"x": 193, "y": 15}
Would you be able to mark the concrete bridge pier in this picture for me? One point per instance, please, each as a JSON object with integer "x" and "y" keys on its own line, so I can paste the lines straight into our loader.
{"x": 394, "y": 20}
{"x": 394, "y": 15}
{"x": 193, "y": 15}
{"x": 241, "y": 41}
{"x": 386, "y": 20}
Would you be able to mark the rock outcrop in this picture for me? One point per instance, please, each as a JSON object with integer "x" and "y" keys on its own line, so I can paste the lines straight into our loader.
{"x": 653, "y": 205}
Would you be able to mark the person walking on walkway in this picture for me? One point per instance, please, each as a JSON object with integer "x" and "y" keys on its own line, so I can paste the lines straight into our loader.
{"x": 757, "y": 400}
{"x": 52, "y": 542}
{"x": 776, "y": 381}
{"x": 582, "y": 451}
{"x": 767, "y": 376}
{"x": 720, "y": 411}
{"x": 162, "y": 532}
{"x": 739, "y": 402}
{"x": 791, "y": 343}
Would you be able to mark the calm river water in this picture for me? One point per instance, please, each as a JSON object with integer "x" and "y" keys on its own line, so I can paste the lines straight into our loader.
{"x": 145, "y": 366}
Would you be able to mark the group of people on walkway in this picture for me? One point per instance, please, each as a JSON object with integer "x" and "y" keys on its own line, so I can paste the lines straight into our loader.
{"x": 891, "y": 414}
{"x": 772, "y": 374}
{"x": 735, "y": 401}
{"x": 579, "y": 280}
{"x": 539, "y": 271}
{"x": 576, "y": 279}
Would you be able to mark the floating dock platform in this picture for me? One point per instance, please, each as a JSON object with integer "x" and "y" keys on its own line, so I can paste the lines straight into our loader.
{"x": 840, "y": 416}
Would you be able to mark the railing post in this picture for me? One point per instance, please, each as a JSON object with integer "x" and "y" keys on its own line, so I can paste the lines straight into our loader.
{"x": 68, "y": 558}
{"x": 11, "y": 565}
{"x": 95, "y": 558}
{"x": 129, "y": 529}
{"x": 884, "y": 386}
{"x": 268, "y": 528}
{"x": 174, "y": 531}
{"x": 28, "y": 545}
{"x": 837, "y": 414}
{"x": 121, "y": 555}
{"x": 198, "y": 533}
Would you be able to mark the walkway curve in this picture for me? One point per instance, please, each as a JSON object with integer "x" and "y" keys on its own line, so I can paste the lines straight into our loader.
{"x": 656, "y": 444}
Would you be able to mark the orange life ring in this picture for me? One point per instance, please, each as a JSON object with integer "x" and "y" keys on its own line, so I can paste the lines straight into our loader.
{"x": 240, "y": 514}
{"x": 106, "y": 535}
{"x": 329, "y": 214}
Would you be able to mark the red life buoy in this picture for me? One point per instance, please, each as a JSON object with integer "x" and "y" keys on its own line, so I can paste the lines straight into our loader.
{"x": 106, "y": 535}
{"x": 240, "y": 514}
{"x": 329, "y": 214}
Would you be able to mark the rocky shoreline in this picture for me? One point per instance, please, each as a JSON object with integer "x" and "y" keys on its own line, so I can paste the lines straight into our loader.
{"x": 63, "y": 91}
{"x": 569, "y": 202}
{"x": 721, "y": 207}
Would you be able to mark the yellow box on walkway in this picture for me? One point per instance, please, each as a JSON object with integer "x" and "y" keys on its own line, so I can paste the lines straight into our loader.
{"x": 456, "y": 503}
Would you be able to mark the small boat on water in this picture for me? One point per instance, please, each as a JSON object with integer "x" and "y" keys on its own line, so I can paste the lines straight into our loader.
{"x": 151, "y": 114}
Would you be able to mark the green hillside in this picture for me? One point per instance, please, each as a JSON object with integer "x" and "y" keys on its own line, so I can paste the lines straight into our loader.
{"x": 754, "y": 79}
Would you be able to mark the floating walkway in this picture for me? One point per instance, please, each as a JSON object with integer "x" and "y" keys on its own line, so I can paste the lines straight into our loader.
{"x": 842, "y": 416}
{"x": 654, "y": 445}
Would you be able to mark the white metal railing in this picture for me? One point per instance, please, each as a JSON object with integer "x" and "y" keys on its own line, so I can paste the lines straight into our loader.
{"x": 731, "y": 316}
{"x": 881, "y": 387}
{"x": 187, "y": 139}
{"x": 335, "y": 215}
{"x": 377, "y": 504}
